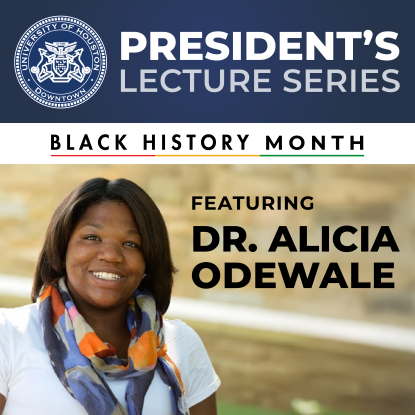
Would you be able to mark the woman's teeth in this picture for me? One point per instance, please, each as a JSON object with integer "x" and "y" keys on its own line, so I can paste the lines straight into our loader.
{"x": 106, "y": 275}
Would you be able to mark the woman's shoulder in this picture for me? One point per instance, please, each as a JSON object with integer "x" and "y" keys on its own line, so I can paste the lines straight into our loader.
{"x": 184, "y": 340}
{"x": 19, "y": 318}
{"x": 174, "y": 326}
{"x": 18, "y": 330}
{"x": 178, "y": 331}
{"x": 187, "y": 350}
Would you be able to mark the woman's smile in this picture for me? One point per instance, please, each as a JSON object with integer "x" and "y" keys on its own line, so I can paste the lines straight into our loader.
{"x": 108, "y": 276}
{"x": 104, "y": 262}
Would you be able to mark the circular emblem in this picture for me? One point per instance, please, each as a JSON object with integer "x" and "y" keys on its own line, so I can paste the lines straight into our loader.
{"x": 60, "y": 62}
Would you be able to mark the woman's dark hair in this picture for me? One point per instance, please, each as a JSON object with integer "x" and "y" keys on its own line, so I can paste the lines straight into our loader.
{"x": 153, "y": 232}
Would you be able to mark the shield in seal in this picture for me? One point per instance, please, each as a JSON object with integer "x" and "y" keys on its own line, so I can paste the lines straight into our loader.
{"x": 60, "y": 66}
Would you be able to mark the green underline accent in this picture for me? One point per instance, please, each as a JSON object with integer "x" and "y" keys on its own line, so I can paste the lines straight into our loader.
{"x": 311, "y": 155}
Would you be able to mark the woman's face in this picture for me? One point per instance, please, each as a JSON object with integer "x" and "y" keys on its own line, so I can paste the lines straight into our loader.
{"x": 104, "y": 262}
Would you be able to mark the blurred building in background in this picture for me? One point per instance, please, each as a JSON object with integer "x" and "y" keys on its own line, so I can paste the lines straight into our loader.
{"x": 264, "y": 367}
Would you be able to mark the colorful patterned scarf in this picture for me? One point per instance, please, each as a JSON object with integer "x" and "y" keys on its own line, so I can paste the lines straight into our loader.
{"x": 80, "y": 359}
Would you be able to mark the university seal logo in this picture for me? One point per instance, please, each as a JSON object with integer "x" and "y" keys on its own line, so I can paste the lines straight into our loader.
{"x": 60, "y": 62}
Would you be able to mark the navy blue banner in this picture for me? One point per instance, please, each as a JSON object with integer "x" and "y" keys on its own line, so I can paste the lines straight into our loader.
{"x": 369, "y": 81}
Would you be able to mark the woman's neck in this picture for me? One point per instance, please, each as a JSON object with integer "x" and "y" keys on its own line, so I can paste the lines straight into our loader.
{"x": 110, "y": 325}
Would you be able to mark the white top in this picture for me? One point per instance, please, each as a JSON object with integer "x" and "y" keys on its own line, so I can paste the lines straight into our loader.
{"x": 30, "y": 385}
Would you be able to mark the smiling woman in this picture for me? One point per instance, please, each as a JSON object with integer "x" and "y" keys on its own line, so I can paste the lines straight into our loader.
{"x": 96, "y": 331}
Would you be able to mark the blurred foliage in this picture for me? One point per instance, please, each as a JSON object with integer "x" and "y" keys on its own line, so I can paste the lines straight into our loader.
{"x": 227, "y": 408}
{"x": 303, "y": 407}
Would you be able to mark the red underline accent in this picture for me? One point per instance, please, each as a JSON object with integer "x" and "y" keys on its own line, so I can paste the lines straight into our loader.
{"x": 102, "y": 155}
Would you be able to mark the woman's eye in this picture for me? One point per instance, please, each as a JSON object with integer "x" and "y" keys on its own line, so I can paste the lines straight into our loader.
{"x": 132, "y": 244}
{"x": 91, "y": 238}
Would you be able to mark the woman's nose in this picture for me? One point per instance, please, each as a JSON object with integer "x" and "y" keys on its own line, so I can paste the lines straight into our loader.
{"x": 110, "y": 252}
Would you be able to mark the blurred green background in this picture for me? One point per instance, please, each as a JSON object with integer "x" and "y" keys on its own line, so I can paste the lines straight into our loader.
{"x": 226, "y": 408}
